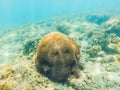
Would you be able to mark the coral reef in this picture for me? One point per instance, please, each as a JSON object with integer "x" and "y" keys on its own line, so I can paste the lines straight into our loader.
{"x": 99, "y": 43}
{"x": 57, "y": 56}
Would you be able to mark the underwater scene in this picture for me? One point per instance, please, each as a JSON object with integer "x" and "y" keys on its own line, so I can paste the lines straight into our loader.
{"x": 60, "y": 45}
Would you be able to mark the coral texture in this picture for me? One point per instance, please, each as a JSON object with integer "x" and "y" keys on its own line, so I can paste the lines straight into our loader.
{"x": 57, "y": 56}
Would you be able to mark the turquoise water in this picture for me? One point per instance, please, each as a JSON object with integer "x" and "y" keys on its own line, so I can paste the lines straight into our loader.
{"x": 18, "y": 12}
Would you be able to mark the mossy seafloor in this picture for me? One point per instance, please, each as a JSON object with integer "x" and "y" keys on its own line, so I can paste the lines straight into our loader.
{"x": 97, "y": 35}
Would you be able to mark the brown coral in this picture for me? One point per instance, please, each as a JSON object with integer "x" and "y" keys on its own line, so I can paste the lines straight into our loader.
{"x": 57, "y": 56}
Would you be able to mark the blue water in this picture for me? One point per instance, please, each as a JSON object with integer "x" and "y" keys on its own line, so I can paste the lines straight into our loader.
{"x": 18, "y": 12}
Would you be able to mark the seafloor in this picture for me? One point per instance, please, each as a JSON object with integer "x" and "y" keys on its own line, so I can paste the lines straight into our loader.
{"x": 98, "y": 36}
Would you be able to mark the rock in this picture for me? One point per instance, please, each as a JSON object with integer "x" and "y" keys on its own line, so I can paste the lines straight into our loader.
{"x": 114, "y": 48}
{"x": 63, "y": 29}
{"x": 114, "y": 28}
{"x": 5, "y": 87}
{"x": 57, "y": 56}
{"x": 30, "y": 46}
{"x": 101, "y": 54}
{"x": 98, "y": 19}
{"x": 94, "y": 50}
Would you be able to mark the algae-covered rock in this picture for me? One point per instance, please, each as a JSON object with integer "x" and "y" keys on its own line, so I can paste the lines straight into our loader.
{"x": 5, "y": 87}
{"x": 94, "y": 50}
{"x": 6, "y": 72}
{"x": 98, "y": 19}
{"x": 30, "y": 46}
{"x": 57, "y": 56}
{"x": 111, "y": 44}
{"x": 112, "y": 67}
{"x": 63, "y": 29}
{"x": 114, "y": 48}
{"x": 114, "y": 28}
